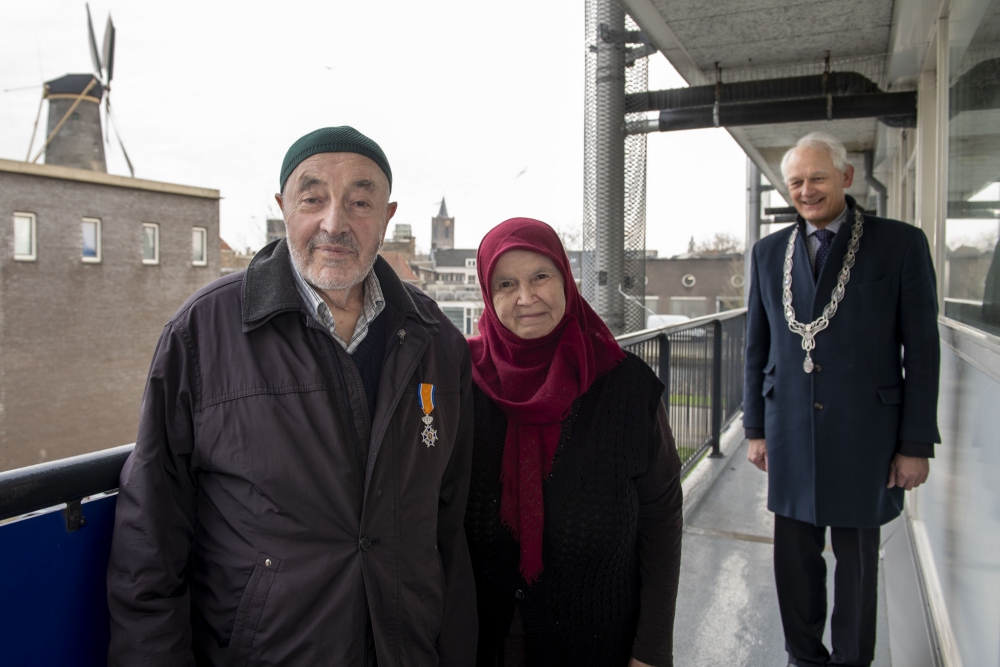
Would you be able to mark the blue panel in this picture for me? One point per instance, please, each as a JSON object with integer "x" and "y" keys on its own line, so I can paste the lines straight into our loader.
{"x": 54, "y": 608}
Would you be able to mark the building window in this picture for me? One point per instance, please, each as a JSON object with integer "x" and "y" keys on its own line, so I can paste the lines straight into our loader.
{"x": 456, "y": 315}
{"x": 150, "y": 243}
{"x": 91, "y": 232}
{"x": 472, "y": 278}
{"x": 470, "y": 263}
{"x": 199, "y": 246}
{"x": 25, "y": 237}
{"x": 971, "y": 280}
{"x": 688, "y": 280}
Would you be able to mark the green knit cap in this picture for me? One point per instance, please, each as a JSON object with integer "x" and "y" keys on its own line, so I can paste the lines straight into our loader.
{"x": 341, "y": 139}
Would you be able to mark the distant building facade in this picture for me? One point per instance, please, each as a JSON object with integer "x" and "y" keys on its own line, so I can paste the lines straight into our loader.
{"x": 403, "y": 242}
{"x": 694, "y": 285}
{"x": 231, "y": 260}
{"x": 442, "y": 230}
{"x": 92, "y": 266}
{"x": 275, "y": 229}
{"x": 451, "y": 280}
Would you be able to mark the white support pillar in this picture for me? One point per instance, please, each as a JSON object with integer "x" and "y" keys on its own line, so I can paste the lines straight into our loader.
{"x": 753, "y": 222}
{"x": 925, "y": 215}
{"x": 943, "y": 92}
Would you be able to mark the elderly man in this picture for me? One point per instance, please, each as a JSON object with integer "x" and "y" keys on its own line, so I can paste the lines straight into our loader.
{"x": 298, "y": 486}
{"x": 840, "y": 395}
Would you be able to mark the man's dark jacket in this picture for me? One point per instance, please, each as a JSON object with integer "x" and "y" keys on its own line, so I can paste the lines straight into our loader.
{"x": 832, "y": 434}
{"x": 264, "y": 514}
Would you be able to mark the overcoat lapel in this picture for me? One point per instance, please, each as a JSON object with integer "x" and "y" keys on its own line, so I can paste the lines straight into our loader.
{"x": 834, "y": 263}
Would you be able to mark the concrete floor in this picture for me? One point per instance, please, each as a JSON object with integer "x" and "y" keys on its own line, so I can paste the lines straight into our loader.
{"x": 727, "y": 610}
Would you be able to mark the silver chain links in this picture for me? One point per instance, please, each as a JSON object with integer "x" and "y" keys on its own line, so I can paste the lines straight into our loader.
{"x": 809, "y": 331}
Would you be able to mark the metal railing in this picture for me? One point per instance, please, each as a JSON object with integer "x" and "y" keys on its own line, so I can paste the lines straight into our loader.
{"x": 700, "y": 363}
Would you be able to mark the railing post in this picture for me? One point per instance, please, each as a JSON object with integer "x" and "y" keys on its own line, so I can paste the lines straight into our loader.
{"x": 664, "y": 370}
{"x": 716, "y": 388}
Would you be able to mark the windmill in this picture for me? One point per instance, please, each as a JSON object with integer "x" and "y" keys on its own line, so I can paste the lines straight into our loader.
{"x": 74, "y": 137}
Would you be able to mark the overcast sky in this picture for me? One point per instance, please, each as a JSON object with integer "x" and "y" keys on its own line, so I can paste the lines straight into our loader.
{"x": 462, "y": 97}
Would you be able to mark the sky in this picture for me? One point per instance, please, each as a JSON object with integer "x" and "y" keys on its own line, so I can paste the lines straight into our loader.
{"x": 481, "y": 103}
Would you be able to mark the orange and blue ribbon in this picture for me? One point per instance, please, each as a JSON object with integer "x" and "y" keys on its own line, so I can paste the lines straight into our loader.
{"x": 426, "y": 394}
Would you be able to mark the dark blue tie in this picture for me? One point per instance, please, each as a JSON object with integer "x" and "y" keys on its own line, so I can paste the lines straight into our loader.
{"x": 825, "y": 237}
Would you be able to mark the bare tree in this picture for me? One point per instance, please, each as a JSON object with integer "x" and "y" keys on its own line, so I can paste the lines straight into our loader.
{"x": 720, "y": 244}
{"x": 571, "y": 237}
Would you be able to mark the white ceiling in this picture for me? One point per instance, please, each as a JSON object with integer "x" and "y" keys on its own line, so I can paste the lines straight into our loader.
{"x": 767, "y": 38}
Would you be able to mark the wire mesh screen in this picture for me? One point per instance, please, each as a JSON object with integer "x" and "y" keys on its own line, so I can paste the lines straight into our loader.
{"x": 603, "y": 163}
{"x": 634, "y": 280}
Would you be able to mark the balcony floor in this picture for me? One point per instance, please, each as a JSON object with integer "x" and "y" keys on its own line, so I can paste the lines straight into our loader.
{"x": 727, "y": 610}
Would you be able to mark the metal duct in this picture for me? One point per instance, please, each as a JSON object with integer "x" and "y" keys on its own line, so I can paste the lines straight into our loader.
{"x": 833, "y": 96}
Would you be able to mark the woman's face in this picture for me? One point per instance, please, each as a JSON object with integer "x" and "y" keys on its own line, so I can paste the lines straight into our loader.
{"x": 528, "y": 293}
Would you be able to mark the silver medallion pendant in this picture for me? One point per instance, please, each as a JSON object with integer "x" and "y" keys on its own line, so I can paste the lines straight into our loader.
{"x": 429, "y": 435}
{"x": 808, "y": 331}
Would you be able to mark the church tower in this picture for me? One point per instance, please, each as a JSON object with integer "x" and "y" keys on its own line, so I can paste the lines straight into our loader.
{"x": 442, "y": 229}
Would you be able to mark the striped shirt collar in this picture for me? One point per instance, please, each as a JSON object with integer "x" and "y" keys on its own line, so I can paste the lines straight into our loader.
{"x": 833, "y": 226}
{"x": 374, "y": 304}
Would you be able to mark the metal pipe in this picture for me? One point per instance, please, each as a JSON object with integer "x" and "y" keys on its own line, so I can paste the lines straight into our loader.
{"x": 878, "y": 186}
{"x": 895, "y": 109}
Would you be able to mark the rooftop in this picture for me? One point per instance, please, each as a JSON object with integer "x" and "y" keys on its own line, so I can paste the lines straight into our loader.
{"x": 100, "y": 178}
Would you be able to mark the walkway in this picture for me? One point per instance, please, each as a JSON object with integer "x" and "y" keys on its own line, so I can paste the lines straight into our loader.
{"x": 727, "y": 610}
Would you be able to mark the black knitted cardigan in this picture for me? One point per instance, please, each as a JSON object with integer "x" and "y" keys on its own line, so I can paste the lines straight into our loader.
{"x": 584, "y": 608}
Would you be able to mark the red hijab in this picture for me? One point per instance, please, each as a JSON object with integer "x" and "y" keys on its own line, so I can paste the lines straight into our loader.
{"x": 535, "y": 381}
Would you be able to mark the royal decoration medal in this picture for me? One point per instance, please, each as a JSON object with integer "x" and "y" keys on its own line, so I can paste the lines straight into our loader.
{"x": 426, "y": 394}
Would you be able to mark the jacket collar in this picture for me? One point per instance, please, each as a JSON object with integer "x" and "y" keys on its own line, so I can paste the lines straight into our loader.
{"x": 848, "y": 221}
{"x": 269, "y": 288}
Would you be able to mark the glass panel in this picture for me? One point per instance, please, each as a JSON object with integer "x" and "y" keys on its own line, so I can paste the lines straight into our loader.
{"x": 23, "y": 246}
{"x": 90, "y": 239}
{"x": 972, "y": 270}
{"x": 149, "y": 243}
{"x": 457, "y": 317}
{"x": 198, "y": 246}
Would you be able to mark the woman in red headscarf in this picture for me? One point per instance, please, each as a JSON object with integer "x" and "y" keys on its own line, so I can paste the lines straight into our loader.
{"x": 574, "y": 513}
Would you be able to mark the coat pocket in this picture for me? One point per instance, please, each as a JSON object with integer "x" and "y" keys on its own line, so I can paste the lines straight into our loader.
{"x": 250, "y": 610}
{"x": 768, "y": 379}
{"x": 891, "y": 395}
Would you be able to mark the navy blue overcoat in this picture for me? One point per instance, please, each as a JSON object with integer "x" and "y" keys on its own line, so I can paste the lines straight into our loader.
{"x": 832, "y": 434}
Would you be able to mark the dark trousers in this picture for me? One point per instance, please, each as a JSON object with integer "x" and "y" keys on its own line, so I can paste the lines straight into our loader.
{"x": 800, "y": 576}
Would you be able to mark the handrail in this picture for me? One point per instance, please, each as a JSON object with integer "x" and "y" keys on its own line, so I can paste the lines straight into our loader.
{"x": 700, "y": 363}
{"x": 693, "y": 323}
{"x": 37, "y": 487}
{"x": 33, "y": 488}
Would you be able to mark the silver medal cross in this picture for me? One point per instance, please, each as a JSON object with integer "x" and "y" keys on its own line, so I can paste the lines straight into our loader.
{"x": 429, "y": 436}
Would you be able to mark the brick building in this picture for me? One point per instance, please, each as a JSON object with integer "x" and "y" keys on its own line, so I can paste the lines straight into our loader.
{"x": 92, "y": 266}
{"x": 695, "y": 285}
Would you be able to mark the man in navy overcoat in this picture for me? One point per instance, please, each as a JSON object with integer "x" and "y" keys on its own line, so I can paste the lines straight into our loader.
{"x": 844, "y": 430}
